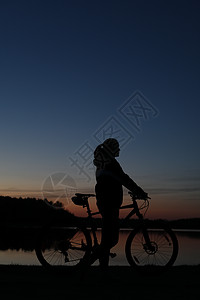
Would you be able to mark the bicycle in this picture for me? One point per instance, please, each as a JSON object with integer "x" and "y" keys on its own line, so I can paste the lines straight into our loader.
{"x": 154, "y": 246}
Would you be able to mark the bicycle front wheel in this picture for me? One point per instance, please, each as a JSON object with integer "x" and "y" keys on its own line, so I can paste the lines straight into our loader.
{"x": 63, "y": 246}
{"x": 160, "y": 251}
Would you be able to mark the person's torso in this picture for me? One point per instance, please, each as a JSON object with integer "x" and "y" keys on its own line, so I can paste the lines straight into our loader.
{"x": 108, "y": 187}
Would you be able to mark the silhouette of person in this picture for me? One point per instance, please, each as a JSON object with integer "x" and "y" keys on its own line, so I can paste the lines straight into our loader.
{"x": 109, "y": 194}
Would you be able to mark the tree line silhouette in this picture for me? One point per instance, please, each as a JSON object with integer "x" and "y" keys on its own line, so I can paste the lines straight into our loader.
{"x": 31, "y": 211}
{"x": 21, "y": 220}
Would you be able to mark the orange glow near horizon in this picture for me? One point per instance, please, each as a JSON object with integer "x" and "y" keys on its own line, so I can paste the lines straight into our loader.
{"x": 161, "y": 206}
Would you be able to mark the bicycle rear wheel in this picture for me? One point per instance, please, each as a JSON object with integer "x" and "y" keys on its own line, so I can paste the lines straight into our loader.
{"x": 161, "y": 253}
{"x": 63, "y": 246}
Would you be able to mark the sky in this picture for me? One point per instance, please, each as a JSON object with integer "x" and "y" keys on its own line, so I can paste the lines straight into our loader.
{"x": 73, "y": 73}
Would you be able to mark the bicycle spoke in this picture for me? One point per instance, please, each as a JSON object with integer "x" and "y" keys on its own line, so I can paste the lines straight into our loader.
{"x": 158, "y": 253}
{"x": 66, "y": 249}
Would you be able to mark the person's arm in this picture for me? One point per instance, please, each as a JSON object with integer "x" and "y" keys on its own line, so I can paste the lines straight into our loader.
{"x": 130, "y": 184}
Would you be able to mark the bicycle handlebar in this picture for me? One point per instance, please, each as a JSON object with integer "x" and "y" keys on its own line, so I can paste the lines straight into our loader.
{"x": 134, "y": 196}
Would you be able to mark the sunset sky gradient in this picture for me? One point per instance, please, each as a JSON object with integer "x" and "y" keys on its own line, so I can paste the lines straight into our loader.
{"x": 68, "y": 68}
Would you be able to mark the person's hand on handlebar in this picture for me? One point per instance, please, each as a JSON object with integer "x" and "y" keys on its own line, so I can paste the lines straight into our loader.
{"x": 143, "y": 196}
{"x": 140, "y": 194}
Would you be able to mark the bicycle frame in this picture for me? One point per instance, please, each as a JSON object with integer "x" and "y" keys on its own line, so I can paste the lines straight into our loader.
{"x": 134, "y": 211}
{"x": 81, "y": 241}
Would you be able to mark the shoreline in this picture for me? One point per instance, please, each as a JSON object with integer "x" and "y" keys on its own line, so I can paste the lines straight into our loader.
{"x": 119, "y": 282}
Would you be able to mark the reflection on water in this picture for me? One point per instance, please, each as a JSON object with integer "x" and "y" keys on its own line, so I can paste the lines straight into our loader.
{"x": 189, "y": 249}
{"x": 18, "y": 257}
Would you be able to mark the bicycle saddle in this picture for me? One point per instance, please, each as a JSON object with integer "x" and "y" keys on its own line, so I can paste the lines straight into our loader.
{"x": 81, "y": 199}
{"x": 85, "y": 195}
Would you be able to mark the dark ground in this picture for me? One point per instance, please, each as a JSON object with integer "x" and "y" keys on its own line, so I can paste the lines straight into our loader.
{"x": 35, "y": 282}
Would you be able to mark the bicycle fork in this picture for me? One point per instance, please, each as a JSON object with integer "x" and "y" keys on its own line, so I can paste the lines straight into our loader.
{"x": 149, "y": 246}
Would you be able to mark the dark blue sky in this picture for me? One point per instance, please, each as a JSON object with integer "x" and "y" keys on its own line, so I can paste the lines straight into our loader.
{"x": 68, "y": 66}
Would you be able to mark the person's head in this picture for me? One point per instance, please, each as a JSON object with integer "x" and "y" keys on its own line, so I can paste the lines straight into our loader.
{"x": 106, "y": 152}
{"x": 111, "y": 146}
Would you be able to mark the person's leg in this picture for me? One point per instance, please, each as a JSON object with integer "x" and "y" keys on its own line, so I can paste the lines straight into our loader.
{"x": 110, "y": 234}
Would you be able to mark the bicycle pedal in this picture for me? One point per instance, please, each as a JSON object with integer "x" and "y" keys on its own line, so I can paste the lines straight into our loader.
{"x": 112, "y": 255}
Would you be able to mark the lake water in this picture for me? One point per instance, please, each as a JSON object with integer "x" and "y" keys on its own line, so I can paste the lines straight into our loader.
{"x": 189, "y": 251}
